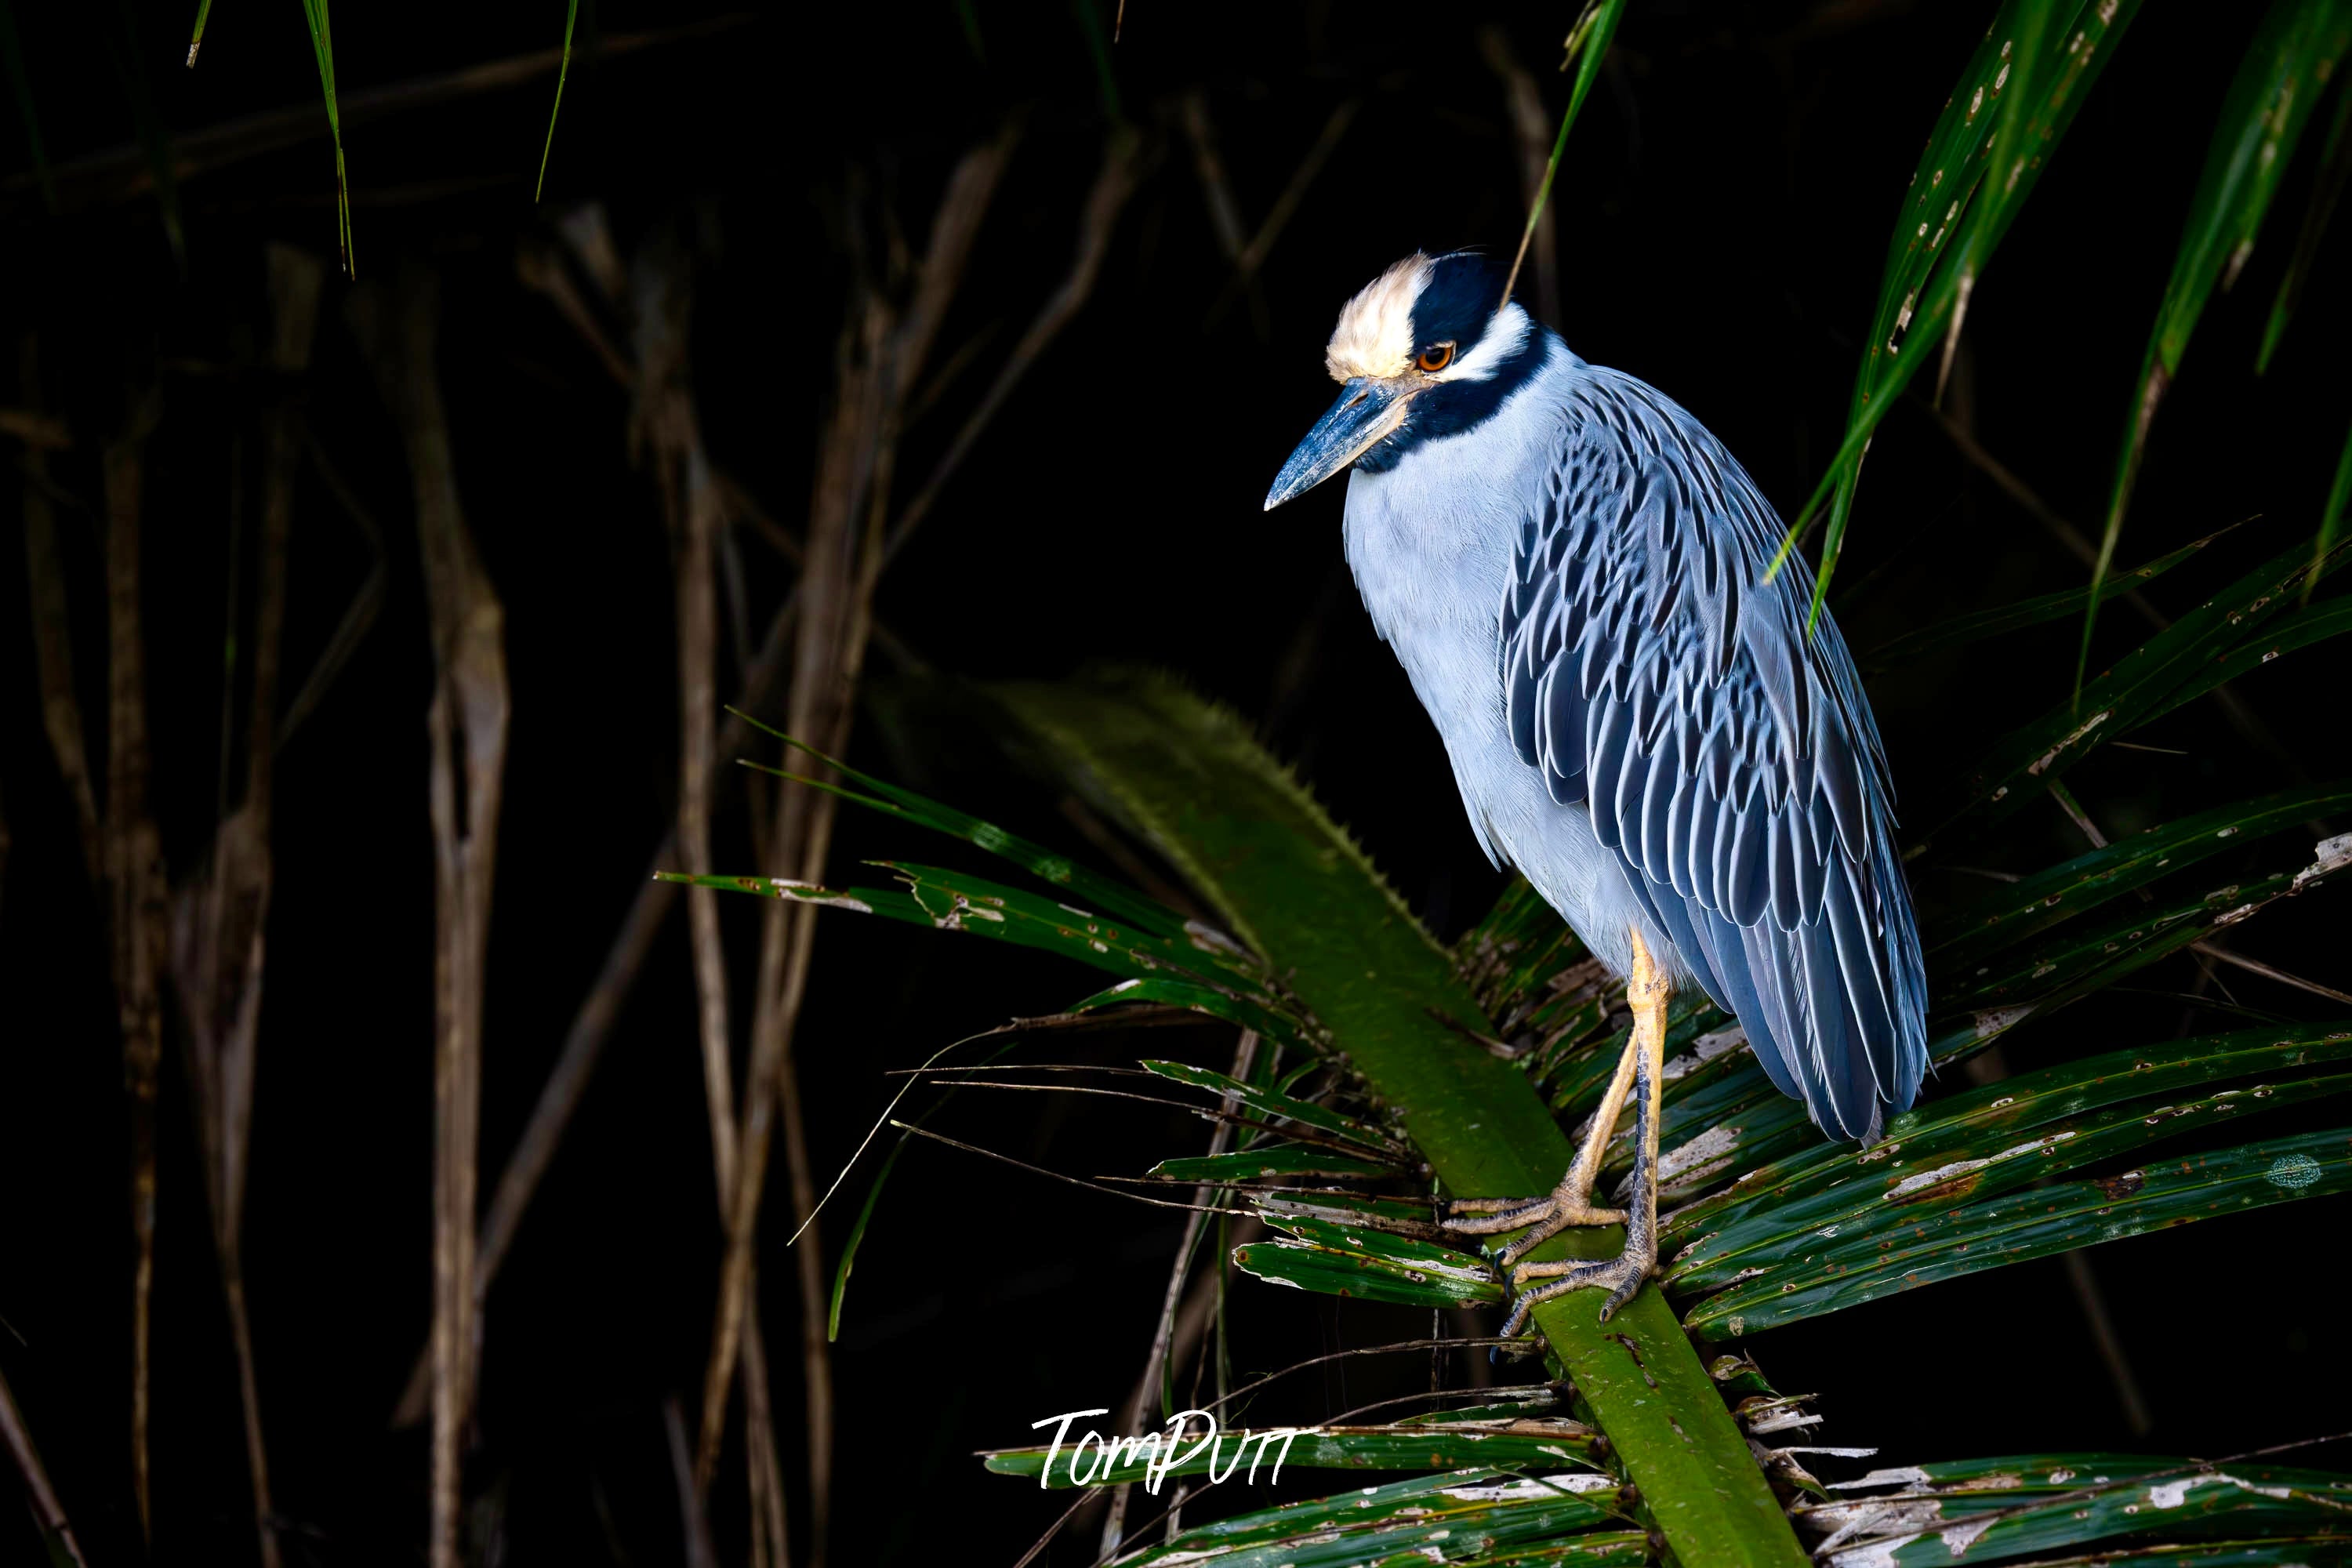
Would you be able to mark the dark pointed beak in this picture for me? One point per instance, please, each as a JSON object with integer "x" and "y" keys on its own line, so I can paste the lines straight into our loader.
{"x": 1367, "y": 410}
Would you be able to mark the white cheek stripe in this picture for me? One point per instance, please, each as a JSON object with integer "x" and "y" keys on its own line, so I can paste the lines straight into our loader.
{"x": 1506, "y": 335}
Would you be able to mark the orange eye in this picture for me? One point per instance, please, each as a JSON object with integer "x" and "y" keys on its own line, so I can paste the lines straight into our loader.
{"x": 1436, "y": 357}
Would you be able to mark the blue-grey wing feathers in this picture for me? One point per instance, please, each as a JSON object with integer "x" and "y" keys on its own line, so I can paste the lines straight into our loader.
{"x": 1728, "y": 757}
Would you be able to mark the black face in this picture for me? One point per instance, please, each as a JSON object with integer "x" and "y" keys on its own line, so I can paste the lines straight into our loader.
{"x": 1453, "y": 313}
{"x": 1455, "y": 305}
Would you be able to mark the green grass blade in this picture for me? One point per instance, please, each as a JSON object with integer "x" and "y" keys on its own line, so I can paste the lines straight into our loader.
{"x": 2085, "y": 956}
{"x": 1272, "y": 1105}
{"x": 2271, "y": 99}
{"x": 858, "y": 1239}
{"x": 2335, "y": 167}
{"x": 1111, "y": 897}
{"x": 2136, "y": 686}
{"x": 1395, "y": 1446}
{"x": 2022, "y": 908}
{"x": 2297, "y": 628}
{"x": 322, "y": 46}
{"x": 1193, "y": 971}
{"x": 1588, "y": 47}
{"x": 196, "y": 39}
{"x": 1213, "y": 1000}
{"x": 2012, "y": 105}
{"x": 562, "y": 74}
{"x": 1292, "y": 885}
{"x": 1961, "y": 630}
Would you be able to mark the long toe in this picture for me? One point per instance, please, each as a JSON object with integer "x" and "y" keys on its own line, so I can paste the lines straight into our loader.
{"x": 1490, "y": 1221}
{"x": 1624, "y": 1292}
{"x": 1544, "y": 1229}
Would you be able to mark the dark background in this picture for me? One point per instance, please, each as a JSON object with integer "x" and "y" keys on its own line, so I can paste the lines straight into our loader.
{"x": 1722, "y": 218}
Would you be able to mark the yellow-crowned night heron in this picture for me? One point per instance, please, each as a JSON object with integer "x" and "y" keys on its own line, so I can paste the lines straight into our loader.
{"x": 1573, "y": 573}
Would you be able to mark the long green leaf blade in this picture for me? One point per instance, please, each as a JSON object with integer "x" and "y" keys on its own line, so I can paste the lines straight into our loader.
{"x": 1337, "y": 1260}
{"x": 2022, "y": 908}
{"x": 1976, "y": 626}
{"x": 2334, "y": 167}
{"x": 1588, "y": 46}
{"x": 2036, "y": 1221}
{"x": 2271, "y": 99}
{"x": 1272, "y": 1105}
{"x": 1265, "y": 1165}
{"x": 562, "y": 74}
{"x": 322, "y": 46}
{"x": 1980, "y": 1124}
{"x": 2012, "y": 105}
{"x": 2136, "y": 686}
{"x": 880, "y": 794}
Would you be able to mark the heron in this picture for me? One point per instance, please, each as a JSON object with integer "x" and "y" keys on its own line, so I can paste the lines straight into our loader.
{"x": 1577, "y": 579}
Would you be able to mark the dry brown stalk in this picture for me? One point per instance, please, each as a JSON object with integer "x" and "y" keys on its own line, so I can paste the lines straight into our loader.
{"x": 52, "y": 643}
{"x": 1190, "y": 1327}
{"x": 359, "y": 616}
{"x": 1114, "y": 183}
{"x": 1285, "y": 205}
{"x": 220, "y": 917}
{"x": 1217, "y": 192}
{"x": 823, "y": 675}
{"x": 592, "y": 1025}
{"x": 769, "y": 1544}
{"x": 35, "y": 429}
{"x": 1532, "y": 123}
{"x": 667, "y": 426}
{"x": 882, "y": 358}
{"x": 134, "y": 874}
{"x": 1155, "y": 1365}
{"x": 697, "y": 1525}
{"x": 466, "y": 724}
{"x": 47, "y": 1511}
{"x": 122, "y": 850}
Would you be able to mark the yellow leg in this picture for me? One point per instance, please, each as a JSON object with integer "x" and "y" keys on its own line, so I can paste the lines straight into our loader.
{"x": 1641, "y": 1069}
{"x": 1570, "y": 1203}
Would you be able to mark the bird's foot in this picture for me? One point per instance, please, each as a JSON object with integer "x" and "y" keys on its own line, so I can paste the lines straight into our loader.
{"x": 1621, "y": 1276}
{"x": 1567, "y": 1205}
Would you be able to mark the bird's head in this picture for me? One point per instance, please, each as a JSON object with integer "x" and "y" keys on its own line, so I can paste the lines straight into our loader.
{"x": 1427, "y": 348}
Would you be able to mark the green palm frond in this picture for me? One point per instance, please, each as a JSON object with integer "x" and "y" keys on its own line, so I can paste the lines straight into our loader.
{"x": 2140, "y": 1510}
{"x": 2278, "y": 84}
{"x": 2006, "y": 115}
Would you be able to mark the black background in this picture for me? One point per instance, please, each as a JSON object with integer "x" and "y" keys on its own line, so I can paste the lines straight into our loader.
{"x": 1723, "y": 214}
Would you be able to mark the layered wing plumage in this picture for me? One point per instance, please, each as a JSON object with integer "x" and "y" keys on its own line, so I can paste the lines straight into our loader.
{"x": 1728, "y": 759}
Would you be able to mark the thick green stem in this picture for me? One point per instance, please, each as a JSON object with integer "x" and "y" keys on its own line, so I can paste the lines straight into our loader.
{"x": 1291, "y": 884}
